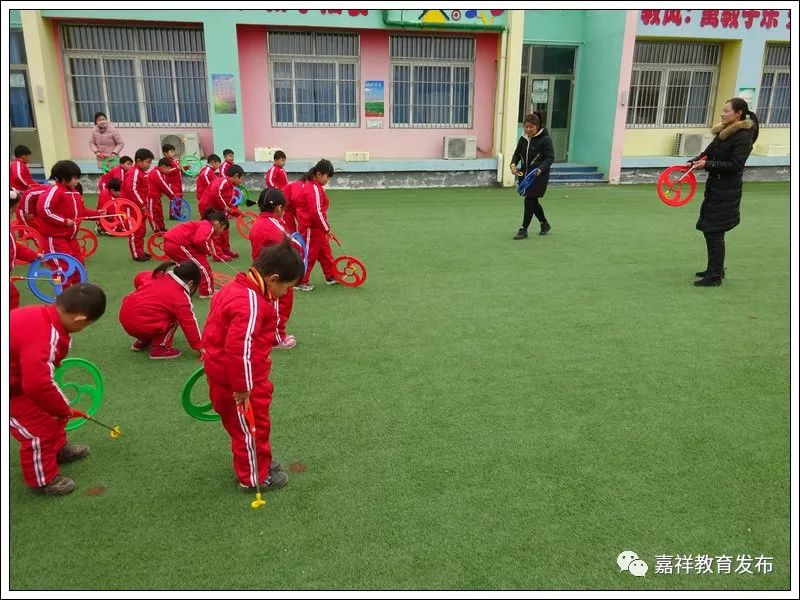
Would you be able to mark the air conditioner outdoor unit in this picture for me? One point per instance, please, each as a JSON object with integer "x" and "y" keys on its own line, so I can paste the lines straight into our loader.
{"x": 460, "y": 146}
{"x": 184, "y": 142}
{"x": 691, "y": 144}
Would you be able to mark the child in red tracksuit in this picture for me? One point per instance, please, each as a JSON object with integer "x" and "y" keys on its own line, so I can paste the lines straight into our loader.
{"x": 29, "y": 204}
{"x": 227, "y": 162}
{"x": 276, "y": 176}
{"x": 39, "y": 339}
{"x": 206, "y": 176}
{"x": 109, "y": 193}
{"x": 118, "y": 172}
{"x": 219, "y": 196}
{"x": 293, "y": 192}
{"x": 268, "y": 230}
{"x": 312, "y": 221}
{"x": 59, "y": 213}
{"x": 159, "y": 185}
{"x": 136, "y": 188}
{"x": 238, "y": 337}
{"x": 174, "y": 176}
{"x": 161, "y": 303}
{"x": 21, "y": 252}
{"x": 20, "y": 177}
{"x": 193, "y": 241}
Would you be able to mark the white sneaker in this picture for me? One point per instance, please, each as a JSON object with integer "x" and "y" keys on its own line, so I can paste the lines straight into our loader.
{"x": 288, "y": 342}
{"x": 305, "y": 288}
{"x": 332, "y": 281}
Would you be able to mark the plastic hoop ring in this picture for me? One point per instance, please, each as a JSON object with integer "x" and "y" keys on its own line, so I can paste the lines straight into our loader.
{"x": 194, "y": 162}
{"x": 201, "y": 412}
{"x": 57, "y": 277}
{"x": 676, "y": 185}
{"x": 95, "y": 392}
{"x": 87, "y": 240}
{"x": 244, "y": 222}
{"x": 155, "y": 245}
{"x": 180, "y": 209}
{"x": 121, "y": 226}
{"x": 108, "y": 163}
{"x": 350, "y": 271}
{"x": 27, "y": 235}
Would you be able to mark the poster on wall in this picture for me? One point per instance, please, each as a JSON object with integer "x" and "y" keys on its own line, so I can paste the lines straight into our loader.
{"x": 224, "y": 94}
{"x": 748, "y": 95}
{"x": 373, "y": 103}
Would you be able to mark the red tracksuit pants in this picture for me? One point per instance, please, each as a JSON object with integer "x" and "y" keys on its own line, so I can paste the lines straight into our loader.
{"x": 248, "y": 453}
{"x": 283, "y": 308}
{"x": 154, "y": 337}
{"x": 319, "y": 249}
{"x": 156, "y": 210}
{"x": 136, "y": 240}
{"x": 180, "y": 253}
{"x": 41, "y": 436}
{"x": 65, "y": 246}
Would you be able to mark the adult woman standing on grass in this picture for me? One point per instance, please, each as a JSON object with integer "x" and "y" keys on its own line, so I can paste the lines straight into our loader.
{"x": 105, "y": 140}
{"x": 724, "y": 160}
{"x": 535, "y": 150}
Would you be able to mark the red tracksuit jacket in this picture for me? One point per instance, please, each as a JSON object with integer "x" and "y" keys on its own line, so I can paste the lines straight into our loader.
{"x": 239, "y": 335}
{"x": 38, "y": 344}
{"x": 157, "y": 303}
{"x": 19, "y": 251}
{"x": 218, "y": 196}
{"x": 276, "y": 177}
{"x": 194, "y": 235}
{"x": 268, "y": 230}
{"x": 136, "y": 187}
{"x": 205, "y": 178}
{"x": 174, "y": 178}
{"x": 312, "y": 210}
{"x": 30, "y": 203}
{"x": 116, "y": 173}
{"x": 58, "y": 205}
{"x": 159, "y": 185}
{"x": 104, "y": 198}
{"x": 223, "y": 168}
{"x": 20, "y": 178}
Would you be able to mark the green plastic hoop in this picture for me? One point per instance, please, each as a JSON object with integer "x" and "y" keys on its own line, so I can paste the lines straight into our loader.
{"x": 108, "y": 163}
{"x": 245, "y": 193}
{"x": 194, "y": 162}
{"x": 201, "y": 412}
{"x": 94, "y": 392}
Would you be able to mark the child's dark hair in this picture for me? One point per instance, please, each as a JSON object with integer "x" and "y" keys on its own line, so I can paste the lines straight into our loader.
{"x": 535, "y": 118}
{"x": 216, "y": 215}
{"x": 20, "y": 151}
{"x": 65, "y": 170}
{"x": 737, "y": 104}
{"x": 234, "y": 171}
{"x": 125, "y": 159}
{"x": 279, "y": 154}
{"x": 323, "y": 167}
{"x": 143, "y": 154}
{"x": 187, "y": 271}
{"x": 115, "y": 184}
{"x": 97, "y": 115}
{"x": 227, "y": 152}
{"x": 166, "y": 148}
{"x": 83, "y": 298}
{"x": 213, "y": 158}
{"x": 270, "y": 199}
{"x": 281, "y": 259}
{"x": 165, "y": 162}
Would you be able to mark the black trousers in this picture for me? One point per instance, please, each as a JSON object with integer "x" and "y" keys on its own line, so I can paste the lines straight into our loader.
{"x": 715, "y": 244}
{"x": 532, "y": 207}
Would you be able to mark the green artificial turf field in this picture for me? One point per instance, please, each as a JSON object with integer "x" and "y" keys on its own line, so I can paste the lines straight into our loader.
{"x": 482, "y": 413}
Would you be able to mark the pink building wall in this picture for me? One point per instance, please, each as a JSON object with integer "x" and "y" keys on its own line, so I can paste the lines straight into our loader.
{"x": 133, "y": 137}
{"x": 386, "y": 142}
{"x": 629, "y": 41}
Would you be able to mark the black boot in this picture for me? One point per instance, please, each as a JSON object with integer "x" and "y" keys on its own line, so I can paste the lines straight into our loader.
{"x": 709, "y": 281}
{"x": 521, "y": 234}
{"x": 545, "y": 228}
{"x": 706, "y": 274}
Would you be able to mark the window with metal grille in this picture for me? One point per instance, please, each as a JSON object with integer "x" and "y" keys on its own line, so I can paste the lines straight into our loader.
{"x": 432, "y": 80}
{"x": 20, "y": 111}
{"x": 138, "y": 76}
{"x": 314, "y": 79}
{"x": 672, "y": 83}
{"x": 774, "y": 97}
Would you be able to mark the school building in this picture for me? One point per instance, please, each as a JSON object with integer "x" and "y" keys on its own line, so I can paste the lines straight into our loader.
{"x": 400, "y": 97}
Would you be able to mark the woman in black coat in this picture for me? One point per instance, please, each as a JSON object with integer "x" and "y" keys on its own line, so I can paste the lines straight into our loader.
{"x": 724, "y": 160}
{"x": 535, "y": 151}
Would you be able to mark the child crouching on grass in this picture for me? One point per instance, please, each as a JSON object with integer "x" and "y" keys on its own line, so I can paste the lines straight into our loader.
{"x": 238, "y": 337}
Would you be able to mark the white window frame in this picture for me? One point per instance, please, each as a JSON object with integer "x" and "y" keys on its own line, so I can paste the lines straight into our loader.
{"x": 764, "y": 111}
{"x": 294, "y": 59}
{"x": 411, "y": 63}
{"x": 141, "y": 100}
{"x": 665, "y": 70}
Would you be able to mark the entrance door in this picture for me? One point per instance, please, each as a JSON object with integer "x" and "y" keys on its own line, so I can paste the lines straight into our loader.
{"x": 547, "y": 88}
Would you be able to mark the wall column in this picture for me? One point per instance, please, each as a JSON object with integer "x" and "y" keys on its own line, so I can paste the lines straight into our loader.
{"x": 510, "y": 107}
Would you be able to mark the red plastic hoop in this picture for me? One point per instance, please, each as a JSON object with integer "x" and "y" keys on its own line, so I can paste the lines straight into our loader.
{"x": 221, "y": 280}
{"x": 350, "y": 271}
{"x": 87, "y": 240}
{"x": 244, "y": 222}
{"x": 121, "y": 226}
{"x": 676, "y": 185}
{"x": 155, "y": 246}
{"x": 28, "y": 236}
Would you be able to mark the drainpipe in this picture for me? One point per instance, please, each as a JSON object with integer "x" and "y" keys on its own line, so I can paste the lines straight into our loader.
{"x": 500, "y": 98}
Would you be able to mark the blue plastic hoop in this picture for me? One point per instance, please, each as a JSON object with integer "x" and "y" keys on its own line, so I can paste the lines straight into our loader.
{"x": 299, "y": 239}
{"x": 526, "y": 182}
{"x": 180, "y": 209}
{"x": 38, "y": 271}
